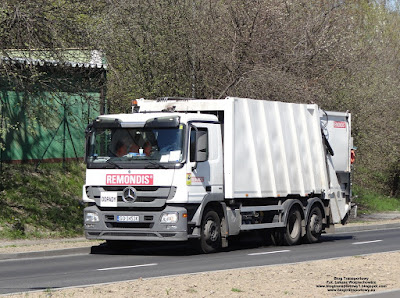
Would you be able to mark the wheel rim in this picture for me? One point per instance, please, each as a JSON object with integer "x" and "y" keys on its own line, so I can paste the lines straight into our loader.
{"x": 315, "y": 223}
{"x": 294, "y": 226}
{"x": 211, "y": 231}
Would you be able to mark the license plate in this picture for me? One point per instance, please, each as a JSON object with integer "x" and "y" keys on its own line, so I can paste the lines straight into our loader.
{"x": 128, "y": 218}
{"x": 108, "y": 199}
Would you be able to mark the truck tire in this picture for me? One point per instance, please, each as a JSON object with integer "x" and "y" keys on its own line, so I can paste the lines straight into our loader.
{"x": 277, "y": 237}
{"x": 210, "y": 238}
{"x": 314, "y": 225}
{"x": 292, "y": 232}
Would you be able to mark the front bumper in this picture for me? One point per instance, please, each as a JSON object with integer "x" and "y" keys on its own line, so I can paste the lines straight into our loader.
{"x": 147, "y": 228}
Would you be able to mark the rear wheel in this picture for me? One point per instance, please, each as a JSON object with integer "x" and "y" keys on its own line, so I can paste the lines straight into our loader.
{"x": 314, "y": 225}
{"x": 292, "y": 232}
{"x": 210, "y": 239}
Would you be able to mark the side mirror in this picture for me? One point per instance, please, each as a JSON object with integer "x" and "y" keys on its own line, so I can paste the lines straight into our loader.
{"x": 88, "y": 135}
{"x": 86, "y": 149}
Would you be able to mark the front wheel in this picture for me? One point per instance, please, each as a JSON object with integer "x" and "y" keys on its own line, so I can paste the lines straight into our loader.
{"x": 292, "y": 232}
{"x": 210, "y": 239}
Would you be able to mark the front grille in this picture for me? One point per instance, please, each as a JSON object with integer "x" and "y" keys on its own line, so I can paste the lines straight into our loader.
{"x": 109, "y": 217}
{"x": 168, "y": 234}
{"x": 135, "y": 234}
{"x": 128, "y": 209}
{"x": 138, "y": 188}
{"x": 144, "y": 199}
{"x": 126, "y": 225}
{"x": 139, "y": 199}
{"x": 145, "y": 194}
{"x": 127, "y": 234}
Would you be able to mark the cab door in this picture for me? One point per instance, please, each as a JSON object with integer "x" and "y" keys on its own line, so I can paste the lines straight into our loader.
{"x": 204, "y": 173}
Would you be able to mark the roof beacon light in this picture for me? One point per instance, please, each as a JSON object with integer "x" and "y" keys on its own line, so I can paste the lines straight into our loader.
{"x": 135, "y": 107}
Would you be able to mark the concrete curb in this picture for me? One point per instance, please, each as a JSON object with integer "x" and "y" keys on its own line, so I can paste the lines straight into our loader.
{"x": 46, "y": 253}
{"x": 90, "y": 249}
{"x": 346, "y": 229}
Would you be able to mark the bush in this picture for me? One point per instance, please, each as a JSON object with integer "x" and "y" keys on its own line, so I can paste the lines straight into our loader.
{"x": 43, "y": 203}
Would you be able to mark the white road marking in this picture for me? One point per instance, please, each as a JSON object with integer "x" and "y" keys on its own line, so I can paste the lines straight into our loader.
{"x": 127, "y": 267}
{"x": 192, "y": 273}
{"x": 367, "y": 242}
{"x": 268, "y": 252}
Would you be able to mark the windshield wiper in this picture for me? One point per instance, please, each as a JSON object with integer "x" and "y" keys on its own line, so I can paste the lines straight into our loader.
{"x": 113, "y": 163}
{"x": 154, "y": 165}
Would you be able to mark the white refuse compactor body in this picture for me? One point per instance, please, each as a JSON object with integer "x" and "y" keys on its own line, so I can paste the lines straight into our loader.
{"x": 210, "y": 169}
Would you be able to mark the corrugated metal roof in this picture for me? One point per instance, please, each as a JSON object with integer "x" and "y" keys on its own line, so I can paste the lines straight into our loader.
{"x": 74, "y": 58}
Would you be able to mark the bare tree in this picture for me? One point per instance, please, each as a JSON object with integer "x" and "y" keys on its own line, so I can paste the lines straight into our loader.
{"x": 343, "y": 55}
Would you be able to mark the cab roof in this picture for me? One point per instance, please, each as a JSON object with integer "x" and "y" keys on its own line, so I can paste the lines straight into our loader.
{"x": 139, "y": 119}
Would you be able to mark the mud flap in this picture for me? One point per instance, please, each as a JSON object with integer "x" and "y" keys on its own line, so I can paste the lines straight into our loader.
{"x": 224, "y": 232}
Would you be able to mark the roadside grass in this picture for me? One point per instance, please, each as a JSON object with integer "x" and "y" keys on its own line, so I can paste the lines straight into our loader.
{"x": 236, "y": 290}
{"x": 371, "y": 202}
{"x": 42, "y": 203}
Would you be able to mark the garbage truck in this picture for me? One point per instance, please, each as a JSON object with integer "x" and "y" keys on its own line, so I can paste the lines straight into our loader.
{"x": 204, "y": 170}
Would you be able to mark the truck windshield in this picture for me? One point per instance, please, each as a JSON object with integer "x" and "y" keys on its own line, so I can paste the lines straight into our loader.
{"x": 139, "y": 147}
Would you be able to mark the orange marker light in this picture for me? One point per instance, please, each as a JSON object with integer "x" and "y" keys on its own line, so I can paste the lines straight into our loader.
{"x": 352, "y": 156}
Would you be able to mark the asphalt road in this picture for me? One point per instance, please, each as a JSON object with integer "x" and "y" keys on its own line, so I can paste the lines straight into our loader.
{"x": 161, "y": 259}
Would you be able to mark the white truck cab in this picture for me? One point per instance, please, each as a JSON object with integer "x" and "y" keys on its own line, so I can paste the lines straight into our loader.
{"x": 177, "y": 169}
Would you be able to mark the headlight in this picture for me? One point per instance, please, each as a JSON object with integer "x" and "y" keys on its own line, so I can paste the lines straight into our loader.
{"x": 169, "y": 217}
{"x": 92, "y": 217}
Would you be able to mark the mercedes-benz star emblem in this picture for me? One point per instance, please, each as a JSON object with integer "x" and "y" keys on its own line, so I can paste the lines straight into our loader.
{"x": 129, "y": 195}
